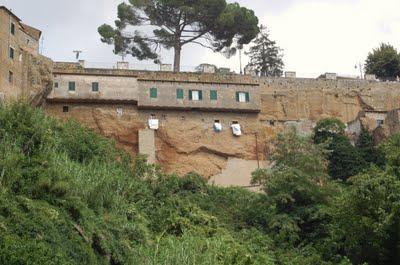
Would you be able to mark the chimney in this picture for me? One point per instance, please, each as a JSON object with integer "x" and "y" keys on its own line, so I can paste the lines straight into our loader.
{"x": 290, "y": 74}
{"x": 370, "y": 77}
{"x": 210, "y": 69}
{"x": 81, "y": 63}
{"x": 123, "y": 65}
{"x": 330, "y": 76}
{"x": 166, "y": 67}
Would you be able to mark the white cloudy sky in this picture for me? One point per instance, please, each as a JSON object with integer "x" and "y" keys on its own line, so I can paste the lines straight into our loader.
{"x": 317, "y": 35}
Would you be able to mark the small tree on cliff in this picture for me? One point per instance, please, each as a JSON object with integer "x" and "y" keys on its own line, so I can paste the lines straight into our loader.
{"x": 265, "y": 55}
{"x": 384, "y": 62}
{"x": 174, "y": 23}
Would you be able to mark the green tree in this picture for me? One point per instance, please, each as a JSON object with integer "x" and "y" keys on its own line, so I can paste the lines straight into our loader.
{"x": 174, "y": 23}
{"x": 366, "y": 219}
{"x": 384, "y": 62}
{"x": 369, "y": 152}
{"x": 297, "y": 186}
{"x": 344, "y": 159}
{"x": 391, "y": 150}
{"x": 327, "y": 128}
{"x": 265, "y": 55}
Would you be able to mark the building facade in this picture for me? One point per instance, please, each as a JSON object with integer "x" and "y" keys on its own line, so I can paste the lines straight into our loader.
{"x": 17, "y": 42}
{"x": 219, "y": 125}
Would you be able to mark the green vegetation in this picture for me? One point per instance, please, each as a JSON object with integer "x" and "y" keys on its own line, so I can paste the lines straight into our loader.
{"x": 384, "y": 62}
{"x": 265, "y": 55}
{"x": 214, "y": 24}
{"x": 68, "y": 196}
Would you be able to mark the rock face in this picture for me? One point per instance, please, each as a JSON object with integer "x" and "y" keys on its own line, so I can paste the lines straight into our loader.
{"x": 186, "y": 141}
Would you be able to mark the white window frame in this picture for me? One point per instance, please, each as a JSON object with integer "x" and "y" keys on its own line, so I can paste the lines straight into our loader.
{"x": 195, "y": 95}
{"x": 242, "y": 97}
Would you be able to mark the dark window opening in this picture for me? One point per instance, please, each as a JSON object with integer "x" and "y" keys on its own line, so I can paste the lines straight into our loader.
{"x": 56, "y": 84}
{"x": 235, "y": 122}
{"x": 10, "y": 77}
{"x": 65, "y": 109}
{"x": 12, "y": 28}
{"x": 95, "y": 87}
{"x": 71, "y": 86}
{"x": 379, "y": 123}
{"x": 272, "y": 123}
{"x": 11, "y": 53}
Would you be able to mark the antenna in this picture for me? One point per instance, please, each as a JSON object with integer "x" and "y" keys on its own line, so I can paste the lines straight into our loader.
{"x": 77, "y": 53}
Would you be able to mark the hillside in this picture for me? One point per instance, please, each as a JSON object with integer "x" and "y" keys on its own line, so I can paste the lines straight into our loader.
{"x": 69, "y": 196}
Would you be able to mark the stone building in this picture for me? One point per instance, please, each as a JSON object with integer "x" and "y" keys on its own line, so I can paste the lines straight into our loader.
{"x": 18, "y": 42}
{"x": 219, "y": 125}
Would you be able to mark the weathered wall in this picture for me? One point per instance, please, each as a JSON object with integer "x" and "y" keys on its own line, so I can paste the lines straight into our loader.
{"x": 31, "y": 72}
{"x": 187, "y": 142}
{"x": 313, "y": 99}
{"x": 226, "y": 96}
{"x": 14, "y": 88}
{"x": 110, "y": 87}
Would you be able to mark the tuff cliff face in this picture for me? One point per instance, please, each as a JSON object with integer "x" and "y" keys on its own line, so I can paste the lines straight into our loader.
{"x": 186, "y": 141}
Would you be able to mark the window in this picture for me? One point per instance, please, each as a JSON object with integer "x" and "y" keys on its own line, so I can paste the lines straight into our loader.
{"x": 65, "y": 108}
{"x": 195, "y": 95}
{"x": 10, "y": 77}
{"x": 379, "y": 123}
{"x": 11, "y": 53}
{"x": 71, "y": 86}
{"x": 95, "y": 87}
{"x": 213, "y": 95}
{"x": 56, "y": 84}
{"x": 12, "y": 28}
{"x": 179, "y": 93}
{"x": 242, "y": 97}
{"x": 153, "y": 92}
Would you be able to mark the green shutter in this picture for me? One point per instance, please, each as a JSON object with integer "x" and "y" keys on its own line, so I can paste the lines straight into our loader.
{"x": 247, "y": 97}
{"x": 237, "y": 96}
{"x": 200, "y": 95}
{"x": 213, "y": 95}
{"x": 190, "y": 95}
{"x": 153, "y": 92}
{"x": 95, "y": 87}
{"x": 71, "y": 86}
{"x": 179, "y": 93}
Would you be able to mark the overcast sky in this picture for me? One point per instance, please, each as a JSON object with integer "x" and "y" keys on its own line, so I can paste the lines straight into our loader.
{"x": 317, "y": 36}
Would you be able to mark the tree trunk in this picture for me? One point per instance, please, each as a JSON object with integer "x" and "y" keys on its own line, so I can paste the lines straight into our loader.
{"x": 177, "y": 58}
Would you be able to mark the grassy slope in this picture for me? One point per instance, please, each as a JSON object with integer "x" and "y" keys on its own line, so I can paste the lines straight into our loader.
{"x": 68, "y": 196}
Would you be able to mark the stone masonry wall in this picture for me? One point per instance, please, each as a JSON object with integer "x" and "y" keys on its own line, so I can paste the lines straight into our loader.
{"x": 186, "y": 141}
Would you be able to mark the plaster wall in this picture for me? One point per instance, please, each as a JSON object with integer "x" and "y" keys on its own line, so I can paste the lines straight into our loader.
{"x": 110, "y": 87}
{"x": 226, "y": 96}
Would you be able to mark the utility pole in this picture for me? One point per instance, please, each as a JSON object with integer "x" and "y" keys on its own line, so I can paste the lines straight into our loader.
{"x": 360, "y": 67}
{"x": 240, "y": 61}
